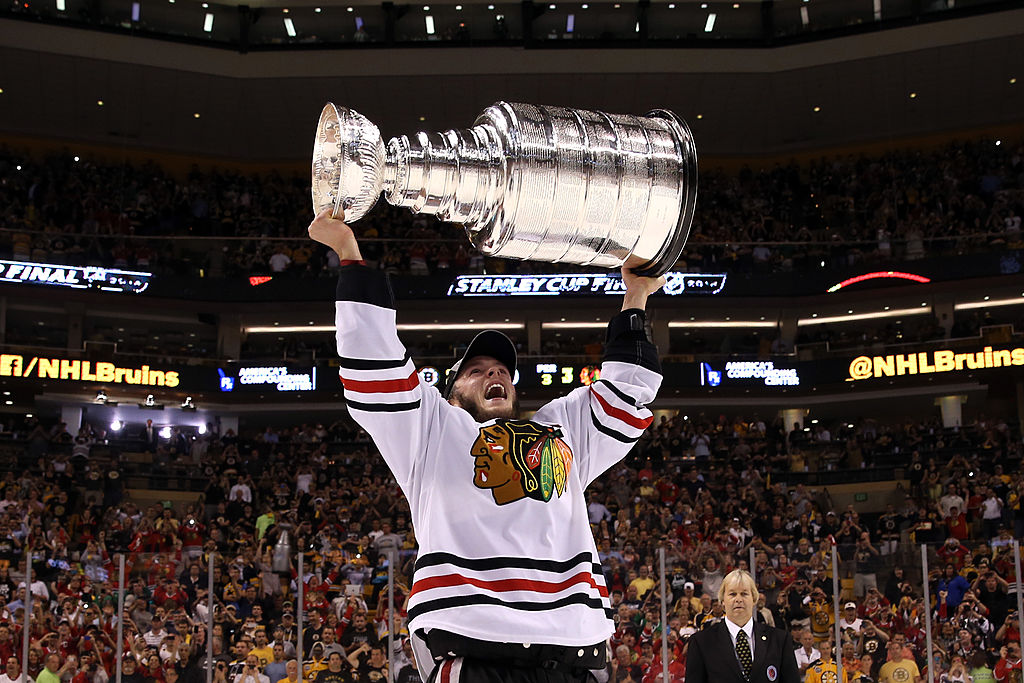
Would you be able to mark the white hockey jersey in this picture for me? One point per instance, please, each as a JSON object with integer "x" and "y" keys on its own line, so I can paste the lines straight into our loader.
{"x": 522, "y": 570}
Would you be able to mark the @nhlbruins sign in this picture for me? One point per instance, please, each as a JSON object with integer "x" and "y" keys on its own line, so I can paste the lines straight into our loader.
{"x": 590, "y": 283}
{"x": 928, "y": 362}
{"x": 76, "y": 277}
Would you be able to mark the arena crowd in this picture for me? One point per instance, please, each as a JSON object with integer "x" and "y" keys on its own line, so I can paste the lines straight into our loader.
{"x": 832, "y": 212}
{"x": 706, "y": 489}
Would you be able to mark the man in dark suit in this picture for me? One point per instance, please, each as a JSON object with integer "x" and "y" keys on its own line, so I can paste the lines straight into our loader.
{"x": 150, "y": 435}
{"x": 738, "y": 650}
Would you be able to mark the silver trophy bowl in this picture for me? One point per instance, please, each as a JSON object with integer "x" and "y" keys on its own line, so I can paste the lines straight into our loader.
{"x": 527, "y": 182}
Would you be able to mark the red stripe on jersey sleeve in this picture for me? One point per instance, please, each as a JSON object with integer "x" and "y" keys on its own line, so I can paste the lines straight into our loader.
{"x": 620, "y": 414}
{"x": 382, "y": 386}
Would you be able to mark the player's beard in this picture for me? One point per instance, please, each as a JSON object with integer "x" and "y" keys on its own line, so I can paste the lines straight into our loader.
{"x": 477, "y": 407}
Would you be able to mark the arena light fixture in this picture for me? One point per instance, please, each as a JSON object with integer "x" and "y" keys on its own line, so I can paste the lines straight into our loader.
{"x": 402, "y": 327}
{"x": 988, "y": 303}
{"x": 289, "y": 27}
{"x": 892, "y": 313}
{"x": 709, "y": 25}
{"x": 720, "y": 323}
{"x": 208, "y": 23}
{"x": 116, "y": 425}
{"x": 574, "y": 326}
{"x": 136, "y": 11}
{"x": 61, "y": 6}
{"x": 429, "y": 22}
{"x": 468, "y": 327}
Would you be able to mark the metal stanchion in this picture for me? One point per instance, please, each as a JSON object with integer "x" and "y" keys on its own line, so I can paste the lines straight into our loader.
{"x": 927, "y": 612}
{"x": 27, "y": 600}
{"x": 391, "y": 611}
{"x": 211, "y": 604}
{"x": 1020, "y": 591}
{"x": 753, "y": 568}
{"x": 664, "y": 615}
{"x": 119, "y": 651}
{"x": 298, "y": 614}
{"x": 838, "y": 656}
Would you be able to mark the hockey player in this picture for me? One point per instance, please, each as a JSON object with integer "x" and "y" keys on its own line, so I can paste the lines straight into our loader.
{"x": 508, "y": 585}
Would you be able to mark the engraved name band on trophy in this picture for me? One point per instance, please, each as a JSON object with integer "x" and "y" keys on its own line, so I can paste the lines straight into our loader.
{"x": 528, "y": 182}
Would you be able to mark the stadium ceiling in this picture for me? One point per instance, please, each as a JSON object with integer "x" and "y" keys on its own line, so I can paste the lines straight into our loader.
{"x": 965, "y": 75}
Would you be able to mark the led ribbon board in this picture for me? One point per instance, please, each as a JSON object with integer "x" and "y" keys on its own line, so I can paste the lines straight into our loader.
{"x": 278, "y": 377}
{"x": 882, "y": 274}
{"x": 765, "y": 373}
{"x": 676, "y": 283}
{"x": 76, "y": 277}
{"x": 929, "y": 362}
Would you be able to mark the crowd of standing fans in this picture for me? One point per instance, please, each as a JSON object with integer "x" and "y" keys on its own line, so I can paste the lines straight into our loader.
{"x": 706, "y": 489}
{"x": 833, "y": 212}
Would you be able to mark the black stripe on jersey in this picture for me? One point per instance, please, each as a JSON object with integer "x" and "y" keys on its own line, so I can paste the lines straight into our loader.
{"x": 364, "y": 285}
{"x": 641, "y": 352}
{"x": 608, "y": 431}
{"x": 369, "y": 364}
{"x": 619, "y": 392}
{"x": 382, "y": 407}
{"x": 467, "y": 600}
{"x": 487, "y": 563}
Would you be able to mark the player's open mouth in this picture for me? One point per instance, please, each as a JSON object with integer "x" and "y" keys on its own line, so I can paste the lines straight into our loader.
{"x": 495, "y": 392}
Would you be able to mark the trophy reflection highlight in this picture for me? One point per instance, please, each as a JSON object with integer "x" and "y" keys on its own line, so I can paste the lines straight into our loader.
{"x": 528, "y": 182}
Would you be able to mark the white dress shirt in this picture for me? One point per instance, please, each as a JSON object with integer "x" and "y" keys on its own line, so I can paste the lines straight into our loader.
{"x": 747, "y": 628}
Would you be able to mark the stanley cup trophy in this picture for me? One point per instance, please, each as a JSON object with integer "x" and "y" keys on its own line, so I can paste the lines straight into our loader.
{"x": 527, "y": 182}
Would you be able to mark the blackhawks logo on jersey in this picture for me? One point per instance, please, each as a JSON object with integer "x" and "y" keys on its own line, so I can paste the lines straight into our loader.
{"x": 518, "y": 459}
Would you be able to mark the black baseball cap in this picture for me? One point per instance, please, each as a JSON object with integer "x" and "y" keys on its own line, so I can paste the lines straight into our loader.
{"x": 488, "y": 343}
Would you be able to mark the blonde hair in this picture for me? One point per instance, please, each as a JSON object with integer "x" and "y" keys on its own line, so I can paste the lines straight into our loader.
{"x": 741, "y": 577}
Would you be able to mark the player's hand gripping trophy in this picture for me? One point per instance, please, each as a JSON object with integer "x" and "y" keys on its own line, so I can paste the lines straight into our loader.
{"x": 527, "y": 182}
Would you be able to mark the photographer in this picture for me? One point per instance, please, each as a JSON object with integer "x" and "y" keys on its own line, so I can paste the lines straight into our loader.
{"x": 250, "y": 672}
{"x": 1009, "y": 631}
{"x": 957, "y": 672}
{"x": 1008, "y": 667}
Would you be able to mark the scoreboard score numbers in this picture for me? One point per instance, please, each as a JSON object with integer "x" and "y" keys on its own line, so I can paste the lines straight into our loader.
{"x": 571, "y": 375}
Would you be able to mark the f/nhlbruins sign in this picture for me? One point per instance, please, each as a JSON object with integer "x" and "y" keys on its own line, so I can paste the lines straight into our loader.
{"x": 590, "y": 283}
{"x": 14, "y": 365}
{"x": 927, "y": 362}
{"x": 76, "y": 277}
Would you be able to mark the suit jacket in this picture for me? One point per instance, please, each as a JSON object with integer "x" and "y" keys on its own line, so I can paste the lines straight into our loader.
{"x": 711, "y": 657}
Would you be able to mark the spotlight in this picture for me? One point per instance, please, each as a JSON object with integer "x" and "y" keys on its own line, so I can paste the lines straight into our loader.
{"x": 165, "y": 433}
{"x": 115, "y": 425}
{"x": 151, "y": 404}
{"x": 101, "y": 396}
{"x": 188, "y": 404}
{"x": 202, "y": 429}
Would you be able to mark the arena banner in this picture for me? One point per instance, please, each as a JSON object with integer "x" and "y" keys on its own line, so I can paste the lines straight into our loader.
{"x": 263, "y": 378}
{"x": 676, "y": 283}
{"x": 749, "y": 373}
{"x": 76, "y": 277}
{"x": 932, "y": 362}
